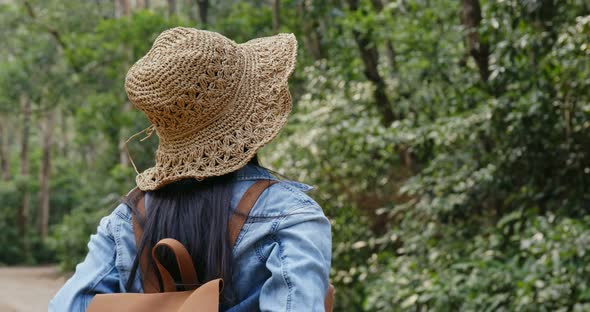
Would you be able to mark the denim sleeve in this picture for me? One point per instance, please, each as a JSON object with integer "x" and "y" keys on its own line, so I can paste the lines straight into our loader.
{"x": 96, "y": 274}
{"x": 299, "y": 262}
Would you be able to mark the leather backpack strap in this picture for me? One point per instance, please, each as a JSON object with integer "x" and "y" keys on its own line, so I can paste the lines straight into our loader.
{"x": 237, "y": 221}
{"x": 329, "y": 301}
{"x": 150, "y": 280}
{"x": 148, "y": 274}
{"x": 183, "y": 259}
{"x": 184, "y": 262}
{"x": 238, "y": 218}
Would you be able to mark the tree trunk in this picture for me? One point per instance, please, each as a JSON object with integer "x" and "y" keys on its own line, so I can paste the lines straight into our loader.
{"x": 44, "y": 174}
{"x": 548, "y": 10}
{"x": 122, "y": 8}
{"x": 390, "y": 53}
{"x": 126, "y": 7}
{"x": 389, "y": 49}
{"x": 123, "y": 133}
{"x": 142, "y": 4}
{"x": 311, "y": 37}
{"x": 471, "y": 19}
{"x": 190, "y": 8}
{"x": 172, "y": 8}
{"x": 118, "y": 8}
{"x": 62, "y": 143}
{"x": 370, "y": 57}
{"x": 203, "y": 11}
{"x": 276, "y": 15}
{"x": 23, "y": 215}
{"x": 4, "y": 156}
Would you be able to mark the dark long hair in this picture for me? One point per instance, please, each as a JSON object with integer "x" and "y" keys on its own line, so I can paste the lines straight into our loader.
{"x": 196, "y": 213}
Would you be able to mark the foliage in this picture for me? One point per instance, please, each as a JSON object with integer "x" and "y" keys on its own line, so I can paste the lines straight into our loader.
{"x": 540, "y": 266}
{"x": 66, "y": 238}
{"x": 9, "y": 235}
{"x": 474, "y": 198}
{"x": 498, "y": 166}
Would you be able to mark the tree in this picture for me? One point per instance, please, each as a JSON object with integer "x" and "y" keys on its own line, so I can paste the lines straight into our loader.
{"x": 172, "y": 8}
{"x": 23, "y": 220}
{"x": 370, "y": 57}
{"x": 203, "y": 11}
{"x": 312, "y": 37}
{"x": 142, "y": 4}
{"x": 276, "y": 15}
{"x": 44, "y": 174}
{"x": 478, "y": 49}
{"x": 389, "y": 49}
{"x": 122, "y": 8}
{"x": 4, "y": 157}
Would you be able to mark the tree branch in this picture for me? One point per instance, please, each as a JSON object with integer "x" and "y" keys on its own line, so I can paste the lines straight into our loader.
{"x": 370, "y": 57}
{"x": 276, "y": 15}
{"x": 312, "y": 38}
{"x": 480, "y": 51}
{"x": 389, "y": 48}
{"x": 52, "y": 31}
{"x": 203, "y": 11}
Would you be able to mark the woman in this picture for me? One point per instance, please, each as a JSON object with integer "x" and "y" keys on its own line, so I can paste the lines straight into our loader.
{"x": 213, "y": 104}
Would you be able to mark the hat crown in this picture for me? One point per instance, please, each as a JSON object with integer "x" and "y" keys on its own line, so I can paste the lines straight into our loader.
{"x": 186, "y": 81}
{"x": 213, "y": 102}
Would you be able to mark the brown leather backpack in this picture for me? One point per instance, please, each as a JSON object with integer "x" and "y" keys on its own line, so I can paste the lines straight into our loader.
{"x": 205, "y": 297}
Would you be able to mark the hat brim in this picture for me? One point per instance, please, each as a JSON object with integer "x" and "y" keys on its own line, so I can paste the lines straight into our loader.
{"x": 259, "y": 111}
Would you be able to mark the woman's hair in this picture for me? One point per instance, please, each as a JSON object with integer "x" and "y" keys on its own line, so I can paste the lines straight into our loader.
{"x": 197, "y": 214}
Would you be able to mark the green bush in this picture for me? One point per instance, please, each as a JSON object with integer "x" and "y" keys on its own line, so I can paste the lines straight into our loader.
{"x": 9, "y": 236}
{"x": 522, "y": 264}
{"x": 69, "y": 239}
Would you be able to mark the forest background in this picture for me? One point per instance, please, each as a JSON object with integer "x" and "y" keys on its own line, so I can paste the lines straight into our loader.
{"x": 448, "y": 141}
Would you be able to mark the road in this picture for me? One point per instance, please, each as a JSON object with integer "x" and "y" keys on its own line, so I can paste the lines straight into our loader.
{"x": 28, "y": 289}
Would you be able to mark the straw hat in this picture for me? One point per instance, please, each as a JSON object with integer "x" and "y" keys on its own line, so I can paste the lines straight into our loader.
{"x": 212, "y": 102}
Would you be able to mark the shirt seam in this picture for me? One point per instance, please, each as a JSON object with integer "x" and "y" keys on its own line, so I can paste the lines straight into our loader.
{"x": 276, "y": 222}
{"x": 300, "y": 203}
{"x": 248, "y": 222}
{"x": 248, "y": 173}
{"x": 258, "y": 250}
{"x": 299, "y": 195}
{"x": 284, "y": 273}
{"x": 107, "y": 268}
{"x": 246, "y": 226}
{"x": 124, "y": 215}
{"x": 255, "y": 177}
{"x": 119, "y": 247}
{"x": 111, "y": 264}
{"x": 273, "y": 229}
{"x": 283, "y": 257}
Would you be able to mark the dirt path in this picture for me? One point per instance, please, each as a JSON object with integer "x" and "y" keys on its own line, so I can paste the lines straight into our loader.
{"x": 28, "y": 288}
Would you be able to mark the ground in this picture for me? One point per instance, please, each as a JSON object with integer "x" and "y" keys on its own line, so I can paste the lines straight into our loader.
{"x": 28, "y": 289}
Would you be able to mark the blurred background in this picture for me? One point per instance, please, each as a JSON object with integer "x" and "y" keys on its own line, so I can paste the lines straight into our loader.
{"x": 448, "y": 141}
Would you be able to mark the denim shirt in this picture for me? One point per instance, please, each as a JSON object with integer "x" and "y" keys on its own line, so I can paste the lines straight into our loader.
{"x": 281, "y": 261}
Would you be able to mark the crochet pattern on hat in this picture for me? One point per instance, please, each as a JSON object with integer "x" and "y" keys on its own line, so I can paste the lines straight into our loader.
{"x": 213, "y": 102}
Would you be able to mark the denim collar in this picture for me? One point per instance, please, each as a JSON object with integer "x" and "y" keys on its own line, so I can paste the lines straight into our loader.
{"x": 253, "y": 172}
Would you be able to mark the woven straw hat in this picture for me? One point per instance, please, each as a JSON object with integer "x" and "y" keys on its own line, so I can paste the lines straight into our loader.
{"x": 212, "y": 102}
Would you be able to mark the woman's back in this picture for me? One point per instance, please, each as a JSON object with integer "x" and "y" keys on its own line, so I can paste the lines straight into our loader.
{"x": 281, "y": 258}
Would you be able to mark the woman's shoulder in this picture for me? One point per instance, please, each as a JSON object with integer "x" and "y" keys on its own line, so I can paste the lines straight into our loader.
{"x": 281, "y": 198}
{"x": 118, "y": 221}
